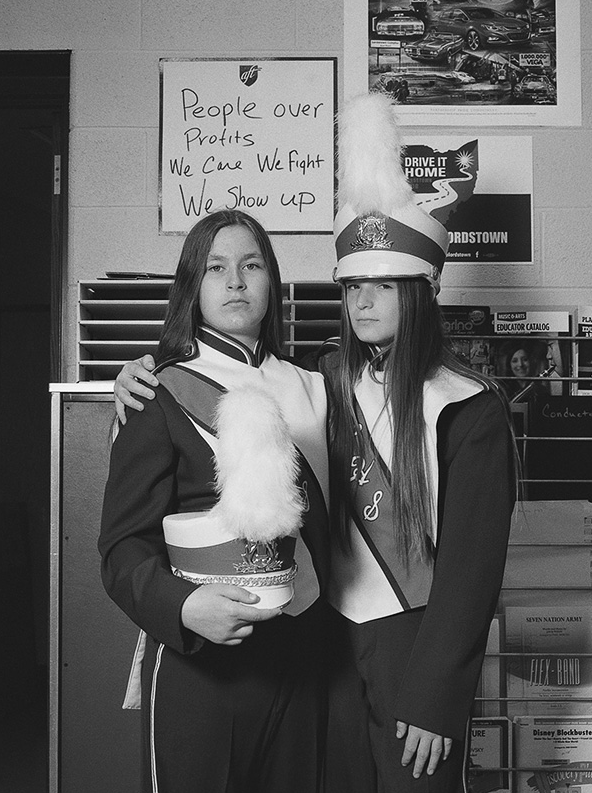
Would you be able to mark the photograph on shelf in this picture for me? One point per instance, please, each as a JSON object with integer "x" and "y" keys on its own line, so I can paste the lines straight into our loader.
{"x": 533, "y": 349}
{"x": 584, "y": 350}
{"x": 491, "y": 751}
{"x": 465, "y": 326}
{"x": 481, "y": 189}
{"x": 560, "y": 749}
{"x": 488, "y": 63}
{"x": 550, "y": 675}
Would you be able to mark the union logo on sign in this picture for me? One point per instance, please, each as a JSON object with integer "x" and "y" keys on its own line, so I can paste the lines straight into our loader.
{"x": 248, "y": 74}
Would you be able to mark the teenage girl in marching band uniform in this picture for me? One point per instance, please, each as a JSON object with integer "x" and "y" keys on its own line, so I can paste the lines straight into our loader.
{"x": 421, "y": 456}
{"x": 232, "y": 696}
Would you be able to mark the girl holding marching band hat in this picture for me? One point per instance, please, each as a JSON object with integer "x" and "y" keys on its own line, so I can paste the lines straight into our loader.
{"x": 214, "y": 532}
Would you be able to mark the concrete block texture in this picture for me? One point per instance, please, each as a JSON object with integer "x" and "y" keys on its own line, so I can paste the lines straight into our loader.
{"x": 108, "y": 167}
{"x": 106, "y": 239}
{"x": 567, "y": 243}
{"x": 563, "y": 169}
{"x": 214, "y": 28}
{"x": 70, "y": 24}
{"x": 115, "y": 89}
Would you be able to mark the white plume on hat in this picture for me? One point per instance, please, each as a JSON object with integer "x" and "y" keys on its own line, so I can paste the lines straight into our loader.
{"x": 379, "y": 230}
{"x": 257, "y": 468}
{"x": 370, "y": 175}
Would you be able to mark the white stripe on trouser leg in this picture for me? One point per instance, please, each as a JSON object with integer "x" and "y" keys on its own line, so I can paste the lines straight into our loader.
{"x": 152, "y": 701}
{"x": 465, "y": 764}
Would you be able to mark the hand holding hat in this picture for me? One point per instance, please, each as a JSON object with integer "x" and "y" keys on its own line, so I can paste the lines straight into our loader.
{"x": 248, "y": 538}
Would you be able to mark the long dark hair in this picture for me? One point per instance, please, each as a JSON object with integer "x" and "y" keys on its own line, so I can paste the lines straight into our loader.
{"x": 421, "y": 348}
{"x": 183, "y": 314}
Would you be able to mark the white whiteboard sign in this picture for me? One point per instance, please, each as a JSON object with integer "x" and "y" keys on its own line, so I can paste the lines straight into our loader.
{"x": 256, "y": 135}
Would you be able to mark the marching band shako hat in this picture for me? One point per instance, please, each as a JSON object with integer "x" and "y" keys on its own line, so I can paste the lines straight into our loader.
{"x": 248, "y": 538}
{"x": 379, "y": 230}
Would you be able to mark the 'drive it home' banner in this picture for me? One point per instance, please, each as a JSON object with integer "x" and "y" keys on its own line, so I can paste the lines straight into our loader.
{"x": 480, "y": 189}
{"x": 256, "y": 135}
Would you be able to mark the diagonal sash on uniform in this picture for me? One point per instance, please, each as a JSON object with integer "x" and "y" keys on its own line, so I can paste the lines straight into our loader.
{"x": 373, "y": 517}
{"x": 198, "y": 396}
{"x": 195, "y": 393}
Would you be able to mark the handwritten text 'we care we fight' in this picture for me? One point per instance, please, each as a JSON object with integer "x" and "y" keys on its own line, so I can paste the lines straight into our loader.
{"x": 206, "y": 152}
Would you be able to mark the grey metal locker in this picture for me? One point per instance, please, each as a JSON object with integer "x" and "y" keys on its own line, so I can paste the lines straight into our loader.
{"x": 94, "y": 744}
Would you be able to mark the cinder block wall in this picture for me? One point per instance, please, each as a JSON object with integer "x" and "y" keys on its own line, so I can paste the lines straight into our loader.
{"x": 116, "y": 45}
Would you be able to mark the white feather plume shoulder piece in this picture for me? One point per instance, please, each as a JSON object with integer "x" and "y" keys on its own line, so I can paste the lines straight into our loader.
{"x": 257, "y": 468}
{"x": 371, "y": 177}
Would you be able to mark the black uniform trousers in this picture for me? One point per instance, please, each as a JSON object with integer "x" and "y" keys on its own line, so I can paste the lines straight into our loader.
{"x": 366, "y": 666}
{"x": 249, "y": 718}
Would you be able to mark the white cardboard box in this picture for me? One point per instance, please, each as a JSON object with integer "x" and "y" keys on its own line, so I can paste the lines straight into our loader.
{"x": 542, "y": 566}
{"x": 552, "y": 522}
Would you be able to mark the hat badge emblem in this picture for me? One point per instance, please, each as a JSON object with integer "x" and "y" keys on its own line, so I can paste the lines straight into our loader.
{"x": 371, "y": 234}
{"x": 259, "y": 557}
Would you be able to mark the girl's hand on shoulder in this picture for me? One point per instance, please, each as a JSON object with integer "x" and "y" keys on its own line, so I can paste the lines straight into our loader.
{"x": 223, "y": 614}
{"x": 127, "y": 383}
{"x": 427, "y": 748}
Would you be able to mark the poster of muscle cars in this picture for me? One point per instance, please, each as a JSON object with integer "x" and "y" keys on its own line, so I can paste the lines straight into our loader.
{"x": 504, "y": 62}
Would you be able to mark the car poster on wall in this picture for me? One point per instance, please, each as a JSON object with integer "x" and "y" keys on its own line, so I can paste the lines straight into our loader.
{"x": 487, "y": 62}
{"x": 480, "y": 189}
